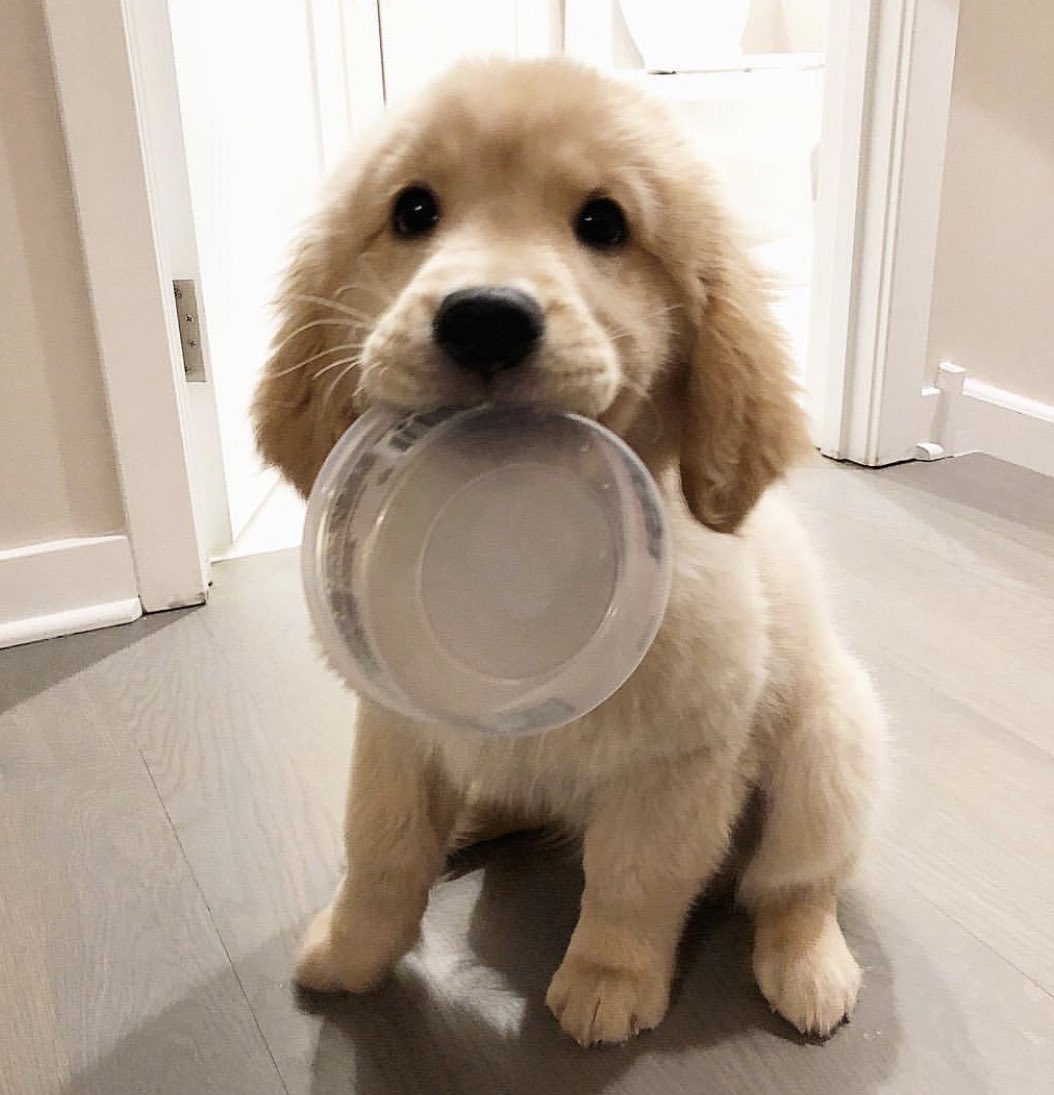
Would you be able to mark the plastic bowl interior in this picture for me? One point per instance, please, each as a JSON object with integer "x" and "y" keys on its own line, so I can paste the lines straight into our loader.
{"x": 497, "y": 568}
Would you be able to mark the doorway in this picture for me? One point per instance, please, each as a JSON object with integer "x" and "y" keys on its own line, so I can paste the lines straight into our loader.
{"x": 222, "y": 107}
{"x": 746, "y": 76}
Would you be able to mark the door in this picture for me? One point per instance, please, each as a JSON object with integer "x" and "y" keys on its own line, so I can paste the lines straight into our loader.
{"x": 254, "y": 110}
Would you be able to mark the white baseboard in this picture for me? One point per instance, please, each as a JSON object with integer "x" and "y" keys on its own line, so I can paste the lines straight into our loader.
{"x": 54, "y": 626}
{"x": 1012, "y": 427}
{"x": 65, "y": 586}
{"x": 965, "y": 415}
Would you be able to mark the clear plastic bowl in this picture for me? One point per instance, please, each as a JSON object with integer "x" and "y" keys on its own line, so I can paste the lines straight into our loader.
{"x": 503, "y": 569}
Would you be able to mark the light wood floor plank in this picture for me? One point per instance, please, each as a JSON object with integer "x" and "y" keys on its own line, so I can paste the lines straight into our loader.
{"x": 114, "y": 979}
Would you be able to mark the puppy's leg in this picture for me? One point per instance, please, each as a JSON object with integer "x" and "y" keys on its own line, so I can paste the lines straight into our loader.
{"x": 651, "y": 842}
{"x": 819, "y": 798}
{"x": 399, "y": 817}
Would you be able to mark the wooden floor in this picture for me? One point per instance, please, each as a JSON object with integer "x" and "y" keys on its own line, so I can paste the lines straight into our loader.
{"x": 169, "y": 814}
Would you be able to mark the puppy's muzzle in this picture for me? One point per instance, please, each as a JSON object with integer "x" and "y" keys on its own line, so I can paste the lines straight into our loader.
{"x": 488, "y": 328}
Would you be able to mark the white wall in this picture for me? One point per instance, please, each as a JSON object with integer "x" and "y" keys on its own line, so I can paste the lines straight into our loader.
{"x": 993, "y": 301}
{"x": 57, "y": 474}
{"x": 65, "y": 564}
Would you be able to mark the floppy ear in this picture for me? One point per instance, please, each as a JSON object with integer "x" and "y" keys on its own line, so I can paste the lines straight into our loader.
{"x": 741, "y": 425}
{"x": 295, "y": 429}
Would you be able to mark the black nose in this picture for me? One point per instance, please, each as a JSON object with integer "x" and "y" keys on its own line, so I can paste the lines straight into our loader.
{"x": 487, "y": 329}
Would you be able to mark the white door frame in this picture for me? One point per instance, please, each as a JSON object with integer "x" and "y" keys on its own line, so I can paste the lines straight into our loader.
{"x": 876, "y": 234}
{"x": 889, "y": 72}
{"x": 131, "y": 294}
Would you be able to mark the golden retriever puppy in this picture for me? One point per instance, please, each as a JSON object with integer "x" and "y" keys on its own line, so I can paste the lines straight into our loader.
{"x": 533, "y": 231}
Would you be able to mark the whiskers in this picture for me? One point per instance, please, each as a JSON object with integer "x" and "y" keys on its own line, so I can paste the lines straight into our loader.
{"x": 334, "y": 312}
{"x": 354, "y": 314}
{"x": 322, "y": 322}
{"x": 304, "y": 362}
{"x": 345, "y": 364}
{"x": 371, "y": 285}
{"x": 348, "y": 363}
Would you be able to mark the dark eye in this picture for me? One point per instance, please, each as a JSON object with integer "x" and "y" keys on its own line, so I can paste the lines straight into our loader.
{"x": 601, "y": 224}
{"x": 415, "y": 212}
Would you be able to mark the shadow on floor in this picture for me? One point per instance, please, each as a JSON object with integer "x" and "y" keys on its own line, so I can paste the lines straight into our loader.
{"x": 26, "y": 671}
{"x": 415, "y": 1036}
{"x": 984, "y": 484}
{"x": 464, "y": 1015}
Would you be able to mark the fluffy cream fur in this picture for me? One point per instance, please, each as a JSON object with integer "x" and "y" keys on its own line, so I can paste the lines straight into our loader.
{"x": 746, "y": 693}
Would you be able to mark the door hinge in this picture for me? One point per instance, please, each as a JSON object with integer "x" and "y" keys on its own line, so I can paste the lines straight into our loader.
{"x": 190, "y": 338}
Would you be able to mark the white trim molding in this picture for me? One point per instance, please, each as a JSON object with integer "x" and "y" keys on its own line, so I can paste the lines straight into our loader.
{"x": 880, "y": 174}
{"x": 966, "y": 415}
{"x": 63, "y": 586}
{"x": 131, "y": 292}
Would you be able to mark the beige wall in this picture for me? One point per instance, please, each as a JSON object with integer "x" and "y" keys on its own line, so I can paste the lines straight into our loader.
{"x": 993, "y": 301}
{"x": 57, "y": 474}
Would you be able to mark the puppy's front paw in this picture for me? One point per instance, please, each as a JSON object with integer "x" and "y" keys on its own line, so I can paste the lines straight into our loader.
{"x": 811, "y": 982}
{"x": 346, "y": 957}
{"x": 598, "y": 1003}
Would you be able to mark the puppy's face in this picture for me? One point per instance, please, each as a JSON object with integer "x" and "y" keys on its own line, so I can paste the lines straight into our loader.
{"x": 508, "y": 260}
{"x": 526, "y": 232}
